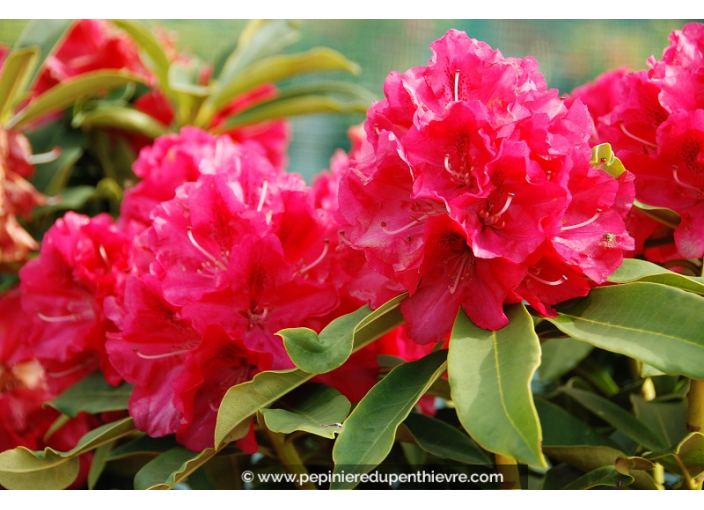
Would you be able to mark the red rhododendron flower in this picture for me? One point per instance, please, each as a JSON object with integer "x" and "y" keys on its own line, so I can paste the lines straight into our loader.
{"x": 654, "y": 119}
{"x": 234, "y": 250}
{"x": 90, "y": 45}
{"x": 477, "y": 186}
{"x": 17, "y": 196}
{"x": 83, "y": 261}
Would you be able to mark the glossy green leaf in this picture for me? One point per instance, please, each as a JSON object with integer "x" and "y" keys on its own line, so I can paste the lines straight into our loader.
{"x": 561, "y": 428}
{"x": 271, "y": 70}
{"x": 241, "y": 402}
{"x": 72, "y": 198}
{"x": 650, "y": 322}
{"x": 102, "y": 435}
{"x": 589, "y": 458}
{"x": 93, "y": 395}
{"x": 605, "y": 476}
{"x": 67, "y": 92}
{"x": 24, "y": 469}
{"x": 143, "y": 445}
{"x": 368, "y": 433}
{"x": 158, "y": 61}
{"x": 318, "y": 409}
{"x": 689, "y": 451}
{"x": 490, "y": 374}
{"x": 635, "y": 270}
{"x": 46, "y": 35}
{"x": 259, "y": 39}
{"x": 127, "y": 119}
{"x": 97, "y": 465}
{"x": 667, "y": 217}
{"x": 14, "y": 76}
{"x": 21, "y": 468}
{"x": 171, "y": 468}
{"x": 560, "y": 355}
{"x": 284, "y": 108}
{"x": 318, "y": 354}
{"x": 445, "y": 441}
{"x": 617, "y": 417}
{"x": 604, "y": 158}
{"x": 667, "y": 419}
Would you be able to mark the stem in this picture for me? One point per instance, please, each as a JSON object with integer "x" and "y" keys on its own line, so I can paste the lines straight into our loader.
{"x": 695, "y": 417}
{"x": 508, "y": 468}
{"x": 287, "y": 454}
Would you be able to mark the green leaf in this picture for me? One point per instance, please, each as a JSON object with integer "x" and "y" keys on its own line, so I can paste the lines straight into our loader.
{"x": 617, "y": 417}
{"x": 667, "y": 419}
{"x": 158, "y": 61}
{"x": 317, "y": 409}
{"x": 667, "y": 217}
{"x": 634, "y": 270}
{"x": 97, "y": 465}
{"x": 241, "y": 402}
{"x": 445, "y": 441}
{"x": 689, "y": 452}
{"x": 143, "y": 445}
{"x": 14, "y": 77}
{"x": 368, "y": 433}
{"x": 49, "y": 469}
{"x": 284, "y": 108}
{"x": 24, "y": 469}
{"x": 46, "y": 34}
{"x": 72, "y": 198}
{"x": 561, "y": 428}
{"x": 270, "y": 70}
{"x": 605, "y": 476}
{"x": 650, "y": 322}
{"x": 589, "y": 458}
{"x": 259, "y": 39}
{"x": 604, "y": 158}
{"x": 93, "y": 395}
{"x": 127, "y": 119}
{"x": 170, "y": 468}
{"x": 560, "y": 355}
{"x": 490, "y": 374}
{"x": 318, "y": 354}
{"x": 67, "y": 92}
{"x": 102, "y": 435}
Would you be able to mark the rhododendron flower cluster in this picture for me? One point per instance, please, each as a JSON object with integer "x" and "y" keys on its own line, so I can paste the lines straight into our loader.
{"x": 476, "y": 190}
{"x": 654, "y": 119}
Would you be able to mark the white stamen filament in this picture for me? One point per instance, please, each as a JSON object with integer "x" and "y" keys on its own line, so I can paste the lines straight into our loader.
{"x": 64, "y": 318}
{"x": 414, "y": 221}
{"x": 683, "y": 184}
{"x": 584, "y": 223}
{"x": 636, "y": 138}
{"x": 506, "y": 205}
{"x": 160, "y": 356}
{"x": 457, "y": 85}
{"x": 46, "y": 157}
{"x": 453, "y": 285}
{"x": 71, "y": 370}
{"x": 546, "y": 282}
{"x": 318, "y": 260}
{"x": 104, "y": 254}
{"x": 206, "y": 253}
{"x": 263, "y": 196}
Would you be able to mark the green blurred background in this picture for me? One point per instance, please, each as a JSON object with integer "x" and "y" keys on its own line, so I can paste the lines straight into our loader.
{"x": 569, "y": 52}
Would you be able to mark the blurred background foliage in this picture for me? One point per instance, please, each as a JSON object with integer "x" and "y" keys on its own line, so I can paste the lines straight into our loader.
{"x": 570, "y": 52}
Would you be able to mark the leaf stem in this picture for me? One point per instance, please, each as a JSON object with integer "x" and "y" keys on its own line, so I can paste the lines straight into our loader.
{"x": 507, "y": 467}
{"x": 695, "y": 413}
{"x": 288, "y": 456}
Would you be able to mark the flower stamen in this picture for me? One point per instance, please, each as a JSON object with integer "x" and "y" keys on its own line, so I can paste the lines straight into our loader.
{"x": 562, "y": 280}
{"x": 316, "y": 261}
{"x": 265, "y": 186}
{"x": 683, "y": 184}
{"x": 634, "y": 137}
{"x": 457, "y": 85}
{"x": 206, "y": 253}
{"x": 161, "y": 356}
{"x": 414, "y": 221}
{"x": 584, "y": 223}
